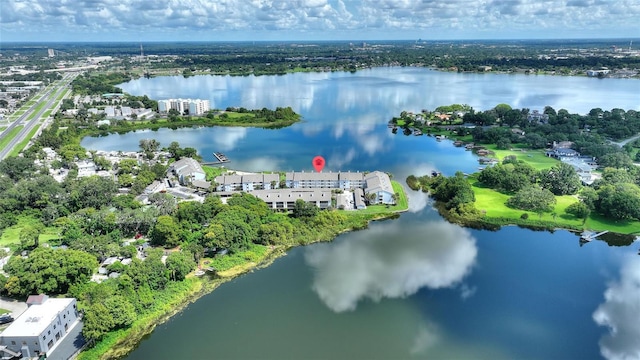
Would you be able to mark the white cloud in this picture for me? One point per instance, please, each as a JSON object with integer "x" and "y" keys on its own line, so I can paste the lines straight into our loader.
{"x": 376, "y": 263}
{"x": 323, "y": 19}
{"x": 621, "y": 314}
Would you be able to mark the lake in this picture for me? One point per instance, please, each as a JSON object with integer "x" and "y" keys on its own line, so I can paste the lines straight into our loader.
{"x": 414, "y": 287}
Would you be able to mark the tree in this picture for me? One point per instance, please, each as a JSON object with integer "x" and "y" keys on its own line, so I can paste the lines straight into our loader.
{"x": 589, "y": 197}
{"x": 619, "y": 201}
{"x": 302, "y": 209}
{"x": 179, "y": 265}
{"x": 97, "y": 323}
{"x": 533, "y": 199}
{"x": 17, "y": 167}
{"x": 454, "y": 191}
{"x": 29, "y": 236}
{"x": 165, "y": 232}
{"x": 149, "y": 145}
{"x": 561, "y": 179}
{"x": 49, "y": 271}
{"x": 618, "y": 160}
{"x": 578, "y": 209}
{"x": 165, "y": 203}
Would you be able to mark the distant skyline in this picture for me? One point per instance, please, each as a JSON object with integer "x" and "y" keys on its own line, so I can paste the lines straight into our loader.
{"x": 266, "y": 20}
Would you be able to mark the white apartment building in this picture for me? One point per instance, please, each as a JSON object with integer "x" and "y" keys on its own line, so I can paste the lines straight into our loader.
{"x": 41, "y": 327}
{"x": 193, "y": 106}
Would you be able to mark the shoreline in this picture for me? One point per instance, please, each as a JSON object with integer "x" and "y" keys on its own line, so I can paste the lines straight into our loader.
{"x": 120, "y": 343}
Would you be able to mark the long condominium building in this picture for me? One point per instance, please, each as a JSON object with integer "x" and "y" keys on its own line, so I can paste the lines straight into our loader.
{"x": 193, "y": 106}
{"x": 311, "y": 187}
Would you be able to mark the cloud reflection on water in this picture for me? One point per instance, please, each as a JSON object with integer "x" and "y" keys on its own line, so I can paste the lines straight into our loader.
{"x": 226, "y": 138}
{"x": 621, "y": 314}
{"x": 390, "y": 262}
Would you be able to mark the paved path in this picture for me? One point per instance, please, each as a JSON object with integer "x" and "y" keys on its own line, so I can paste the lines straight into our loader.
{"x": 16, "y": 307}
{"x": 626, "y": 141}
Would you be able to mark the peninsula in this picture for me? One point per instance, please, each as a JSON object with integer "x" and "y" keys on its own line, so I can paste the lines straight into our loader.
{"x": 529, "y": 178}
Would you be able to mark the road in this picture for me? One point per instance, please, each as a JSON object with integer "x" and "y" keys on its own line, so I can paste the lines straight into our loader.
{"x": 626, "y": 141}
{"x": 50, "y": 100}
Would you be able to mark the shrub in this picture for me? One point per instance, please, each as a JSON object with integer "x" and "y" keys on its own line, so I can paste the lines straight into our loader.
{"x": 524, "y": 216}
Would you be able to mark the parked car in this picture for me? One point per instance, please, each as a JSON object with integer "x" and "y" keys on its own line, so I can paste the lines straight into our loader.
{"x": 6, "y": 318}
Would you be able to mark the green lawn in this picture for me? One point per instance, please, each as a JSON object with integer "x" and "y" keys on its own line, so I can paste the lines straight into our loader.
{"x": 4, "y": 311}
{"x": 493, "y": 202}
{"x": 13, "y": 133}
{"x": 535, "y": 158}
{"x": 21, "y": 145}
{"x": 235, "y": 115}
{"x": 11, "y": 235}
{"x": 213, "y": 171}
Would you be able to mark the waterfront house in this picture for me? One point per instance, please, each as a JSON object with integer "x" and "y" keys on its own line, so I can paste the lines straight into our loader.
{"x": 187, "y": 170}
{"x": 378, "y": 183}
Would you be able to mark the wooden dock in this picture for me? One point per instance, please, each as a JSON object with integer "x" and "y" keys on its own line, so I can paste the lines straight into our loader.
{"x": 587, "y": 236}
{"x": 222, "y": 159}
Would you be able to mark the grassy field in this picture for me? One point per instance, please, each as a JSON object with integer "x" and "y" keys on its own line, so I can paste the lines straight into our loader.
{"x": 254, "y": 255}
{"x": 11, "y": 235}
{"x": 13, "y": 133}
{"x": 493, "y": 203}
{"x": 22, "y": 144}
{"x": 535, "y": 158}
{"x": 213, "y": 171}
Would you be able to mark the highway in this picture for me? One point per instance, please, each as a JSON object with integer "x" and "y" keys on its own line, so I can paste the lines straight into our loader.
{"x": 50, "y": 99}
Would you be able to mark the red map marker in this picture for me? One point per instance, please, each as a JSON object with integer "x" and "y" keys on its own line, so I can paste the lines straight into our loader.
{"x": 318, "y": 163}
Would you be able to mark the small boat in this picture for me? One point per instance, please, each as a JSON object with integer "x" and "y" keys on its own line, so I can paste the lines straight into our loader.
{"x": 417, "y": 132}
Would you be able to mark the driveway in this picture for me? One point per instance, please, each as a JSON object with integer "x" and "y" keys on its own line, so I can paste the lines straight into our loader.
{"x": 16, "y": 307}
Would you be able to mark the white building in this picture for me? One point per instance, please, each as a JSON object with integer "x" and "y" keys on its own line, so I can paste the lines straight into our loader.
{"x": 41, "y": 327}
{"x": 376, "y": 182}
{"x": 194, "y": 106}
{"x": 187, "y": 170}
{"x": 379, "y": 183}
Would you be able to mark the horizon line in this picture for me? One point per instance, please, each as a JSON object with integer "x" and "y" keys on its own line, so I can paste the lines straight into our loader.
{"x": 312, "y": 41}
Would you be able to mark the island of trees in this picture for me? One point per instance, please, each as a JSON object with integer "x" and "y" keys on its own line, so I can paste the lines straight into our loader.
{"x": 525, "y": 184}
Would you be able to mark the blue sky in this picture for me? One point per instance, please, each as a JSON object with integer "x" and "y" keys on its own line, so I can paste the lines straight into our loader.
{"x": 237, "y": 20}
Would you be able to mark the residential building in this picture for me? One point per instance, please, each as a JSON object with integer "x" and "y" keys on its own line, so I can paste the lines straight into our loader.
{"x": 229, "y": 183}
{"x": 349, "y": 180}
{"x": 187, "y": 170}
{"x": 193, "y": 106}
{"x": 41, "y": 327}
{"x": 538, "y": 117}
{"x": 378, "y": 183}
{"x": 358, "y": 196}
{"x": 260, "y": 182}
{"x": 303, "y": 180}
{"x": 86, "y": 168}
{"x": 285, "y": 199}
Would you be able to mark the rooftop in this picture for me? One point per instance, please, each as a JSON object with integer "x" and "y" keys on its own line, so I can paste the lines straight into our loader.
{"x": 37, "y": 317}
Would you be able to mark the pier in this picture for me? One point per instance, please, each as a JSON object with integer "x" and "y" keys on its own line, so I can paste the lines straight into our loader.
{"x": 222, "y": 159}
{"x": 587, "y": 236}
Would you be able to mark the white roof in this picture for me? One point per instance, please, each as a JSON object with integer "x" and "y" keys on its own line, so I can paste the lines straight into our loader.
{"x": 36, "y": 318}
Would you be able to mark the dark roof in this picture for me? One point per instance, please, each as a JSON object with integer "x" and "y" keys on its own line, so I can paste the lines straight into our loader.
{"x": 36, "y": 299}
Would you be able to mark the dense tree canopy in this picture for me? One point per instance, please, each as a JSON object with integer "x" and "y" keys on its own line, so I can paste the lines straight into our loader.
{"x": 533, "y": 199}
{"x": 561, "y": 179}
{"x": 48, "y": 271}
